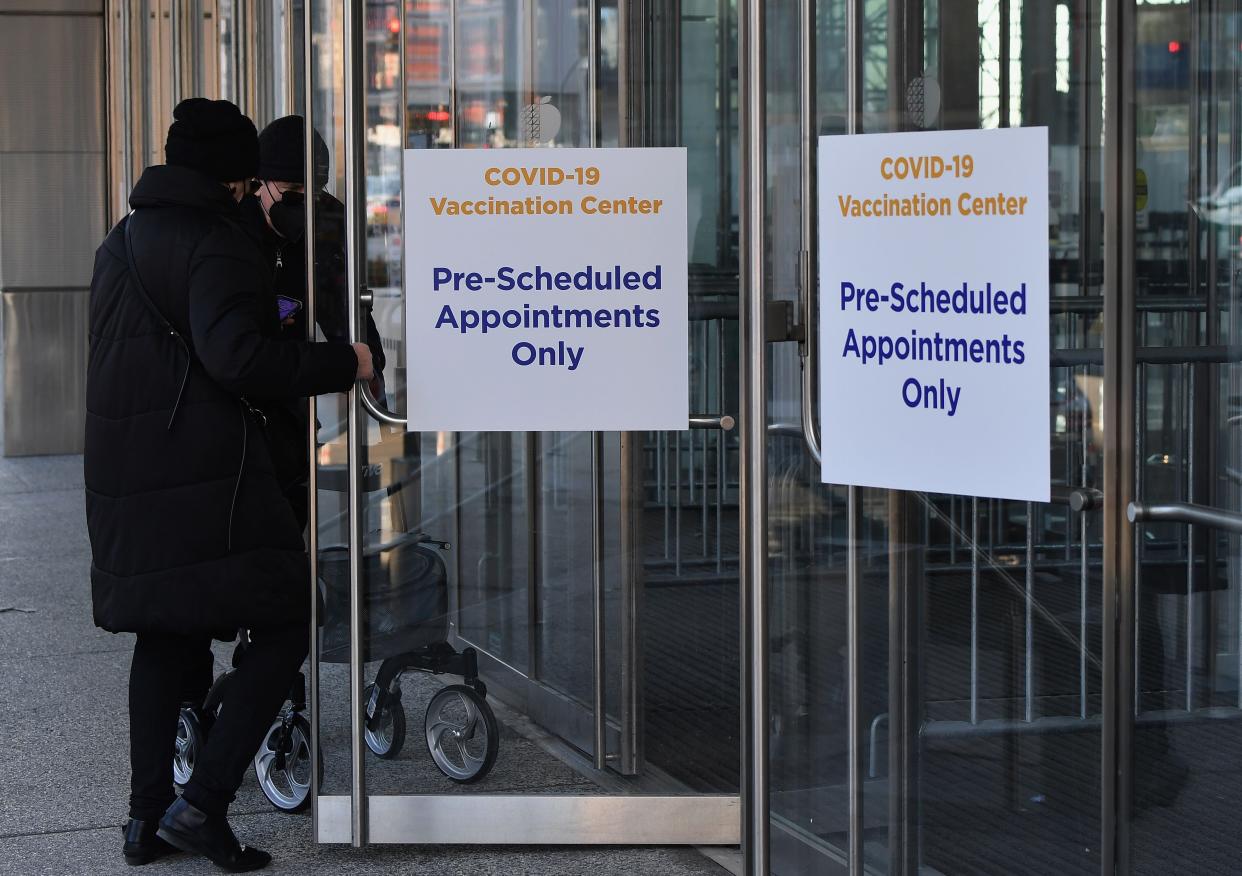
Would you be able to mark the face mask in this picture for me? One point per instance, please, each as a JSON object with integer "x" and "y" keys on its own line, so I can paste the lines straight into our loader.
{"x": 288, "y": 215}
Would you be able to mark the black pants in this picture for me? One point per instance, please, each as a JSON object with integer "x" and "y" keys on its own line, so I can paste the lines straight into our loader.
{"x": 168, "y": 670}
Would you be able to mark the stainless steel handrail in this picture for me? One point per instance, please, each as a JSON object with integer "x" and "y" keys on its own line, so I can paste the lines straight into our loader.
{"x": 723, "y": 422}
{"x": 1185, "y": 512}
{"x": 1077, "y": 498}
{"x": 377, "y": 411}
{"x": 807, "y": 144}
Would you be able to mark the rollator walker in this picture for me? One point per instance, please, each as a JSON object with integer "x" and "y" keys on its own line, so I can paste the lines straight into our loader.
{"x": 405, "y": 627}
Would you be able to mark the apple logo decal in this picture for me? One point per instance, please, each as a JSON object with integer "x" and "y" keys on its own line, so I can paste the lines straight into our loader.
{"x": 541, "y": 121}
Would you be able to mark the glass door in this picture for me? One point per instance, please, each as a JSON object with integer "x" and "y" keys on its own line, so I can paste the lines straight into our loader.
{"x": 963, "y": 685}
{"x": 1183, "y": 708}
{"x": 935, "y": 660}
{"x": 525, "y": 636}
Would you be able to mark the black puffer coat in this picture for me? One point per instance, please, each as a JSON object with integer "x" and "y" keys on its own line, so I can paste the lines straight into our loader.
{"x": 286, "y": 261}
{"x": 189, "y": 530}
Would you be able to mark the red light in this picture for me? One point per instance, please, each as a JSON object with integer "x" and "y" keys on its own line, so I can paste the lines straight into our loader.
{"x": 1174, "y": 47}
{"x": 438, "y": 116}
{"x": 394, "y": 26}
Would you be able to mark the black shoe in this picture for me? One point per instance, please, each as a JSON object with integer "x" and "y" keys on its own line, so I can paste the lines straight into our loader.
{"x": 142, "y": 846}
{"x": 192, "y": 830}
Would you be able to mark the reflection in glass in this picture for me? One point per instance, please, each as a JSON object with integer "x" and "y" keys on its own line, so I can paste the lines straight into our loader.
{"x": 980, "y": 676}
{"x": 1189, "y": 589}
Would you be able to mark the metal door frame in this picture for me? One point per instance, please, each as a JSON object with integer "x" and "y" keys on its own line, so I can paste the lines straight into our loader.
{"x": 359, "y": 818}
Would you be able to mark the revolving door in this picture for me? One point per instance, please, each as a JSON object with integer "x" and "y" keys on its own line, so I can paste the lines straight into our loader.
{"x": 585, "y": 584}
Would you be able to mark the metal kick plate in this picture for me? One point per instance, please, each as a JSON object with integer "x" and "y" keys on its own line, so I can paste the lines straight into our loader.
{"x": 547, "y": 819}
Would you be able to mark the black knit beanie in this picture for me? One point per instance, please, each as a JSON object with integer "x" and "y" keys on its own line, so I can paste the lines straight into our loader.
{"x": 213, "y": 137}
{"x": 282, "y": 150}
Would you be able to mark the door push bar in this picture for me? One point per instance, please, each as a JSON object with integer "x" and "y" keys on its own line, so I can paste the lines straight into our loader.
{"x": 1185, "y": 512}
{"x": 379, "y": 413}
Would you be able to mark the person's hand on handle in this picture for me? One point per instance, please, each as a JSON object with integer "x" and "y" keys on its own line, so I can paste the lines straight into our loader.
{"x": 366, "y": 368}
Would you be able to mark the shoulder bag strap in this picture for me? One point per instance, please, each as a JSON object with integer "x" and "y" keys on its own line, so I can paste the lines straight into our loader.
{"x": 158, "y": 314}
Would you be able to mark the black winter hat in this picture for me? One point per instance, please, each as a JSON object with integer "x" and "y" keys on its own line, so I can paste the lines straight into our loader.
{"x": 282, "y": 150}
{"x": 213, "y": 137}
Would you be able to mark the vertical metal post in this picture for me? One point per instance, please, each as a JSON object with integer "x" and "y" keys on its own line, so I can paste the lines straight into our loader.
{"x": 1189, "y": 372}
{"x": 1231, "y": 497}
{"x": 1029, "y": 663}
{"x": 974, "y": 609}
{"x": 808, "y": 145}
{"x": 677, "y": 505}
{"x": 355, "y": 174}
{"x": 532, "y": 469}
{"x": 403, "y": 121}
{"x": 593, "y": 73}
{"x": 625, "y": 69}
{"x": 905, "y": 595}
{"x": 1082, "y": 581}
{"x": 953, "y": 529}
{"x": 722, "y": 448}
{"x": 854, "y": 19}
{"x": 179, "y": 54}
{"x": 600, "y": 704}
{"x": 662, "y": 454}
{"x": 290, "y": 96}
{"x": 703, "y": 492}
{"x": 1119, "y": 439}
{"x": 312, "y": 482}
{"x": 853, "y": 638}
{"x": 600, "y": 605}
{"x": 753, "y": 508}
{"x": 630, "y": 68}
{"x": 724, "y": 150}
{"x": 905, "y": 575}
{"x": 1003, "y": 62}
{"x": 530, "y": 97}
{"x": 631, "y": 601}
{"x": 1140, "y": 443}
{"x": 453, "y": 102}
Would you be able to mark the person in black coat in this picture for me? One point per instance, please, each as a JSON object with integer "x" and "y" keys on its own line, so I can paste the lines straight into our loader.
{"x": 276, "y": 214}
{"x": 191, "y": 535}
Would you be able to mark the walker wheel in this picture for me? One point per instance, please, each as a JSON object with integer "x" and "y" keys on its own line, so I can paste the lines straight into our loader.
{"x": 387, "y": 736}
{"x": 190, "y": 742}
{"x": 462, "y": 734}
{"x": 283, "y": 763}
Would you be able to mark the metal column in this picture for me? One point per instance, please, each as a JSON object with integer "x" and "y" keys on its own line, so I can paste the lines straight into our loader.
{"x": 631, "y": 82}
{"x": 1119, "y": 440}
{"x": 854, "y": 18}
{"x": 753, "y": 480}
{"x": 598, "y": 547}
{"x": 312, "y": 484}
{"x": 355, "y": 174}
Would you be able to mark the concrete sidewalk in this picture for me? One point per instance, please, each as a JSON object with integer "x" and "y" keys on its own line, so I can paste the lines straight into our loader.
{"x": 63, "y": 727}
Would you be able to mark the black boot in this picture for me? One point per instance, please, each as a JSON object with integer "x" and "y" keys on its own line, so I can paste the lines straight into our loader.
{"x": 192, "y": 830}
{"x": 142, "y": 846}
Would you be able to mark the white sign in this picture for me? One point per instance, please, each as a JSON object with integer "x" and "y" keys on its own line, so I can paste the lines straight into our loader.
{"x": 934, "y": 312}
{"x": 546, "y": 289}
